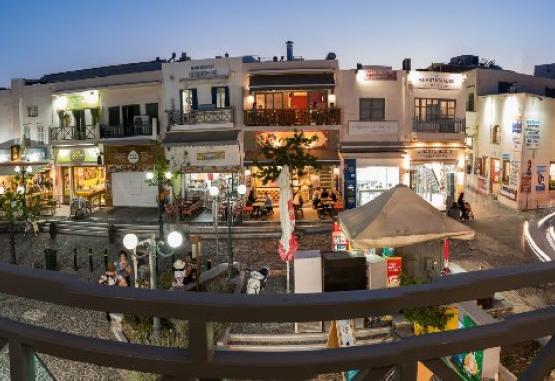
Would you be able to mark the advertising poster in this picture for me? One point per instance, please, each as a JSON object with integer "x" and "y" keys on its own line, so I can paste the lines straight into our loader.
{"x": 469, "y": 364}
{"x": 517, "y": 133}
{"x": 532, "y": 134}
{"x": 513, "y": 174}
{"x": 541, "y": 170}
{"x": 394, "y": 269}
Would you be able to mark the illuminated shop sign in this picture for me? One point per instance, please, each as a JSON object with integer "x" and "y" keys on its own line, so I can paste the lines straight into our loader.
{"x": 434, "y": 80}
{"x": 377, "y": 75}
{"x": 76, "y": 156}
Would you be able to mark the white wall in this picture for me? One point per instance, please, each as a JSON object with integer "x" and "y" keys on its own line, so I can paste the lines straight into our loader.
{"x": 7, "y": 130}
{"x": 487, "y": 81}
{"x": 123, "y": 95}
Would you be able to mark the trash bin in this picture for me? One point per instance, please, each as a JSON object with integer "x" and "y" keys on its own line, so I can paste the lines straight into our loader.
{"x": 50, "y": 259}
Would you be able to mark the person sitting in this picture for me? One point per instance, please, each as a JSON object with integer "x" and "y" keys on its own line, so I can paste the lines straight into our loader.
{"x": 325, "y": 194}
{"x": 461, "y": 203}
{"x": 298, "y": 203}
{"x": 334, "y": 196}
{"x": 316, "y": 200}
{"x": 179, "y": 273}
{"x": 111, "y": 278}
{"x": 123, "y": 267}
{"x": 251, "y": 199}
{"x": 268, "y": 203}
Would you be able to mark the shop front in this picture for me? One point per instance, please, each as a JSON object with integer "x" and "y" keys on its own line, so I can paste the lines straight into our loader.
{"x": 32, "y": 161}
{"x": 126, "y": 168}
{"x": 79, "y": 173}
{"x": 437, "y": 173}
{"x": 203, "y": 159}
{"x": 324, "y": 149}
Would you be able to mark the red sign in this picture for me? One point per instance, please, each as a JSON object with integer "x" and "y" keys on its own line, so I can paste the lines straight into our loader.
{"x": 394, "y": 269}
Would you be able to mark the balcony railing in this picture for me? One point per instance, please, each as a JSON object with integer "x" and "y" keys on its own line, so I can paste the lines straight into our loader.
{"x": 292, "y": 117}
{"x": 453, "y": 125}
{"x": 72, "y": 133}
{"x": 217, "y": 116}
{"x": 202, "y": 360}
{"x": 125, "y": 131}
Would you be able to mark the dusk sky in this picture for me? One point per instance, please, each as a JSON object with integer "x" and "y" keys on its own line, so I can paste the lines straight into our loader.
{"x": 41, "y": 37}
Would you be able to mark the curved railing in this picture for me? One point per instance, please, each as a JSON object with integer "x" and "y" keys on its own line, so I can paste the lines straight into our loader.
{"x": 200, "y": 309}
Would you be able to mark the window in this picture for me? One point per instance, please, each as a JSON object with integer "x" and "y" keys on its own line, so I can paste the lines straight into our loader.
{"x": 470, "y": 102}
{"x": 269, "y": 101}
{"x": 372, "y": 109}
{"x": 552, "y": 175}
{"x": 434, "y": 109}
{"x": 189, "y": 100}
{"x": 549, "y": 92}
{"x": 129, "y": 113}
{"x": 220, "y": 97}
{"x": 484, "y": 166}
{"x": 504, "y": 87}
{"x": 40, "y": 134}
{"x": 506, "y": 171}
{"x": 113, "y": 116}
{"x": 496, "y": 134}
{"x": 26, "y": 135}
{"x": 32, "y": 111}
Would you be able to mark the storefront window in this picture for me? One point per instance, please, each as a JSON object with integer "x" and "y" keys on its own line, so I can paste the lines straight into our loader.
{"x": 372, "y": 181}
{"x": 88, "y": 179}
{"x": 552, "y": 175}
{"x": 434, "y": 182}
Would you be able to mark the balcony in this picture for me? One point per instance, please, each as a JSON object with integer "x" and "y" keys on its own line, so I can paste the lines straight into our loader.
{"x": 449, "y": 126}
{"x": 68, "y": 133}
{"x": 292, "y": 117}
{"x": 125, "y": 131}
{"x": 200, "y": 117}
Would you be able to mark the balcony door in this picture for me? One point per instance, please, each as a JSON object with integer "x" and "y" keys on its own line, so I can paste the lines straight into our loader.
{"x": 128, "y": 114}
{"x": 428, "y": 109}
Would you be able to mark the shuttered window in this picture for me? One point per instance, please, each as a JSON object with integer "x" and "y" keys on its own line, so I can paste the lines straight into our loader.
{"x": 372, "y": 109}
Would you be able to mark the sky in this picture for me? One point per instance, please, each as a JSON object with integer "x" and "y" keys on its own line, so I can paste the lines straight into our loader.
{"x": 42, "y": 37}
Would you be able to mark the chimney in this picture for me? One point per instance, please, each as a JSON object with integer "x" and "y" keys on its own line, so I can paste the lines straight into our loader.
{"x": 406, "y": 64}
{"x": 289, "y": 45}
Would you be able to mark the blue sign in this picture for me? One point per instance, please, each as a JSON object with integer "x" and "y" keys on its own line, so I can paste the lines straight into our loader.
{"x": 517, "y": 127}
{"x": 350, "y": 183}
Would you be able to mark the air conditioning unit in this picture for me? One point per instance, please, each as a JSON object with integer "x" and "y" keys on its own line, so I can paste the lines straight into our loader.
{"x": 141, "y": 119}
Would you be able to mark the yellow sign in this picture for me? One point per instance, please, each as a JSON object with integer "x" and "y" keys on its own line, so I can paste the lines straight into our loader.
{"x": 220, "y": 155}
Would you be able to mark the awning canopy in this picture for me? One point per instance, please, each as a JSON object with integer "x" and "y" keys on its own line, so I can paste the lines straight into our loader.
{"x": 399, "y": 217}
{"x": 201, "y": 138}
{"x": 291, "y": 81}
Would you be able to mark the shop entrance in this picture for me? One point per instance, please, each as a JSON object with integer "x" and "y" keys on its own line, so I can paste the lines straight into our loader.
{"x": 88, "y": 182}
{"x": 373, "y": 180}
{"x": 434, "y": 182}
{"x": 495, "y": 177}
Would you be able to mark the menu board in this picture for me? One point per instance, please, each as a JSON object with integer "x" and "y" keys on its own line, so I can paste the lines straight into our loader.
{"x": 394, "y": 269}
{"x": 338, "y": 240}
{"x": 469, "y": 364}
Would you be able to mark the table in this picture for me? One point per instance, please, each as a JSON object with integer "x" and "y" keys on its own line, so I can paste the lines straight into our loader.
{"x": 92, "y": 196}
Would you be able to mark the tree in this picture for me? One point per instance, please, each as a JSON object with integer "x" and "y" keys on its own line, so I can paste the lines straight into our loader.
{"x": 13, "y": 206}
{"x": 291, "y": 151}
{"x": 160, "y": 176}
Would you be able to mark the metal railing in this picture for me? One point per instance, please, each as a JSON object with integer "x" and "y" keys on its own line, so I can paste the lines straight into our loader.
{"x": 453, "y": 125}
{"x": 201, "y": 360}
{"x": 125, "y": 131}
{"x": 216, "y": 116}
{"x": 73, "y": 133}
{"x": 292, "y": 117}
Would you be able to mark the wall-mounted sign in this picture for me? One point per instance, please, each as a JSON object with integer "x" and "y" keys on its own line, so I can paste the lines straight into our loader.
{"x": 532, "y": 134}
{"x": 4, "y": 155}
{"x": 508, "y": 192}
{"x": 506, "y": 156}
{"x": 276, "y": 138}
{"x": 517, "y": 127}
{"x": 435, "y": 154}
{"x": 435, "y": 80}
{"x": 541, "y": 170}
{"x": 513, "y": 173}
{"x": 219, "y": 155}
{"x": 375, "y": 128}
{"x": 35, "y": 154}
{"x": 133, "y": 157}
{"x": 350, "y": 183}
{"x": 526, "y": 183}
{"x": 207, "y": 71}
{"x": 15, "y": 152}
{"x": 377, "y": 75}
{"x": 76, "y": 156}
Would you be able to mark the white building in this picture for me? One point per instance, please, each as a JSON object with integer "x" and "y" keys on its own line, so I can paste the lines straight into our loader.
{"x": 402, "y": 126}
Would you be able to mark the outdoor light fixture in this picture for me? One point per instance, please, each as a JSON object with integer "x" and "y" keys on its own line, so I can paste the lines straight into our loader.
{"x": 2, "y": 190}
{"x": 20, "y": 190}
{"x": 149, "y": 175}
{"x": 168, "y": 175}
{"x": 175, "y": 239}
{"x": 242, "y": 189}
{"x": 17, "y": 169}
{"x": 29, "y": 169}
{"x": 214, "y": 191}
{"x": 331, "y": 99}
{"x": 250, "y": 99}
{"x": 130, "y": 241}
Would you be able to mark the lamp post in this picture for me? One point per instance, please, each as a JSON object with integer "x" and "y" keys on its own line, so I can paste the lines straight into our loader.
{"x": 229, "y": 198}
{"x": 154, "y": 247}
{"x": 25, "y": 173}
{"x": 159, "y": 178}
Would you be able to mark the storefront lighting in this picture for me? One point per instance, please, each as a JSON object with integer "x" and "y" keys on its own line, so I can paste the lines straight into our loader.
{"x": 29, "y": 169}
{"x": 130, "y": 241}
{"x": 214, "y": 191}
{"x": 91, "y": 97}
{"x": 20, "y": 190}
{"x": 247, "y": 172}
{"x": 60, "y": 103}
{"x": 336, "y": 171}
{"x": 149, "y": 176}
{"x": 175, "y": 239}
{"x": 250, "y": 99}
{"x": 331, "y": 99}
{"x": 242, "y": 189}
{"x": 17, "y": 169}
{"x": 2, "y": 190}
{"x": 168, "y": 175}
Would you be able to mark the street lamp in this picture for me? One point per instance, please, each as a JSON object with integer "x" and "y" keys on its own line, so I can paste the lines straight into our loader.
{"x": 229, "y": 198}
{"x": 130, "y": 242}
{"x": 24, "y": 172}
{"x": 159, "y": 179}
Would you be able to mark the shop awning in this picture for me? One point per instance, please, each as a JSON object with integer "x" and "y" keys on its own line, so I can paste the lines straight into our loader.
{"x": 201, "y": 138}
{"x": 291, "y": 81}
{"x": 399, "y": 217}
{"x": 9, "y": 169}
{"x": 322, "y": 156}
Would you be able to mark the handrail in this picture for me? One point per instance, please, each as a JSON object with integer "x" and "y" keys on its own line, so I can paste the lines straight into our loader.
{"x": 64, "y": 289}
{"x": 264, "y": 365}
